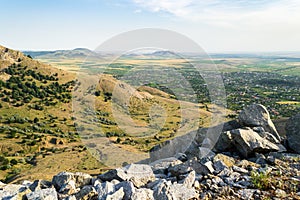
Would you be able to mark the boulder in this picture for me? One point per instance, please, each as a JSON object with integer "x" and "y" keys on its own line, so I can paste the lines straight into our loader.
{"x": 189, "y": 180}
{"x": 49, "y": 194}
{"x": 166, "y": 190}
{"x": 228, "y": 161}
{"x": 128, "y": 189}
{"x": 198, "y": 167}
{"x": 142, "y": 193}
{"x": 138, "y": 174}
{"x": 104, "y": 189}
{"x": 173, "y": 147}
{"x": 224, "y": 143}
{"x": 68, "y": 188}
{"x": 118, "y": 195}
{"x": 293, "y": 133}
{"x": 82, "y": 179}
{"x": 189, "y": 144}
{"x": 40, "y": 184}
{"x": 219, "y": 166}
{"x": 86, "y": 193}
{"x": 161, "y": 166}
{"x": 256, "y": 115}
{"x": 248, "y": 142}
{"x": 63, "y": 178}
{"x": 179, "y": 169}
{"x": 13, "y": 191}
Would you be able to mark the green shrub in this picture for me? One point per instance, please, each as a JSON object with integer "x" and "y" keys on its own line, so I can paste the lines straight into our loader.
{"x": 260, "y": 180}
{"x": 13, "y": 162}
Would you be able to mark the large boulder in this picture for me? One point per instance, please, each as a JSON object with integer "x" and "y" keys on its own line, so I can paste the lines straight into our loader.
{"x": 161, "y": 166}
{"x": 49, "y": 194}
{"x": 12, "y": 191}
{"x": 138, "y": 174}
{"x": 87, "y": 192}
{"x": 142, "y": 193}
{"x": 256, "y": 115}
{"x": 104, "y": 189}
{"x": 293, "y": 133}
{"x": 128, "y": 189}
{"x": 118, "y": 195}
{"x": 168, "y": 191}
{"x": 67, "y": 182}
{"x": 248, "y": 142}
{"x": 189, "y": 143}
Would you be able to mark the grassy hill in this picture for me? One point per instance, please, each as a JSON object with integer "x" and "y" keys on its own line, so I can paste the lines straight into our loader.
{"x": 75, "y": 53}
{"x": 38, "y": 128}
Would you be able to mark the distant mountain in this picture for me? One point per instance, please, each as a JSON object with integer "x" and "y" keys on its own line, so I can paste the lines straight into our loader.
{"x": 75, "y": 53}
{"x": 158, "y": 54}
{"x": 162, "y": 53}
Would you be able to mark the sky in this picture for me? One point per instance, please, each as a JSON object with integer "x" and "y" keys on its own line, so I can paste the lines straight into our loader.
{"x": 216, "y": 25}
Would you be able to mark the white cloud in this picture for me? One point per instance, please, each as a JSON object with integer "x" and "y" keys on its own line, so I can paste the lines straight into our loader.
{"x": 232, "y": 13}
{"x": 234, "y": 25}
{"x": 138, "y": 11}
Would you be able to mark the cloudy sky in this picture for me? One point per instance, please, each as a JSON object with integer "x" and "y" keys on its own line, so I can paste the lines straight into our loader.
{"x": 216, "y": 25}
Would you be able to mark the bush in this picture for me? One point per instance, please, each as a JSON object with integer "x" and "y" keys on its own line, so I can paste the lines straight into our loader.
{"x": 36, "y": 120}
{"x": 13, "y": 162}
{"x": 260, "y": 180}
{"x": 3, "y": 160}
{"x": 5, "y": 167}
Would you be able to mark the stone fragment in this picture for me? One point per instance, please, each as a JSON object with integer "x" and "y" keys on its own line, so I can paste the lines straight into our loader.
{"x": 46, "y": 194}
{"x": 189, "y": 180}
{"x": 118, "y": 195}
{"x": 138, "y": 174}
{"x": 104, "y": 189}
{"x": 167, "y": 191}
{"x": 161, "y": 166}
{"x": 128, "y": 189}
{"x": 142, "y": 193}
{"x": 40, "y": 184}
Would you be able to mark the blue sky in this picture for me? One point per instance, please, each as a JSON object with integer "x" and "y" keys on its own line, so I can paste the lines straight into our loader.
{"x": 216, "y": 25}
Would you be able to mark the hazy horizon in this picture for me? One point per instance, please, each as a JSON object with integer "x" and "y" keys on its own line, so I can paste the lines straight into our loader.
{"x": 216, "y": 25}
{"x": 209, "y": 52}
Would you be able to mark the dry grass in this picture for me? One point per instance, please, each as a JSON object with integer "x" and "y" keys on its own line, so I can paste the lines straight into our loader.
{"x": 288, "y": 102}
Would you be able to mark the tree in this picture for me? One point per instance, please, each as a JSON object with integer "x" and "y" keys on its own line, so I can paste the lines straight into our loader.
{"x": 35, "y": 120}
{"x": 97, "y": 93}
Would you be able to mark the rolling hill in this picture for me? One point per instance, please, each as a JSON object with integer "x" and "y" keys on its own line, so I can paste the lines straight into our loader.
{"x": 39, "y": 130}
{"x": 75, "y": 53}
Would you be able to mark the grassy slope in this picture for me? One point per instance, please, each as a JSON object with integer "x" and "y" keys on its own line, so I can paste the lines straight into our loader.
{"x": 35, "y": 159}
{"x": 61, "y": 149}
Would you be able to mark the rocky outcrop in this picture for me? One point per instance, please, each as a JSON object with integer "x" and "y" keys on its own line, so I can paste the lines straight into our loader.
{"x": 49, "y": 194}
{"x": 293, "y": 133}
{"x": 246, "y": 162}
{"x": 246, "y": 142}
{"x": 253, "y": 132}
{"x": 139, "y": 175}
{"x": 216, "y": 177}
{"x": 256, "y": 115}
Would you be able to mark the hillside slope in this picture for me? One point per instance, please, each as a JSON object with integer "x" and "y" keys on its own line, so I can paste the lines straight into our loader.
{"x": 38, "y": 125}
